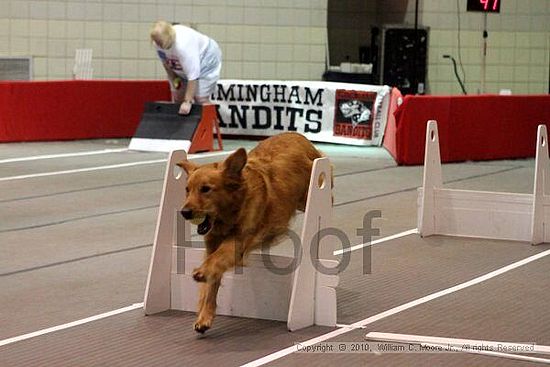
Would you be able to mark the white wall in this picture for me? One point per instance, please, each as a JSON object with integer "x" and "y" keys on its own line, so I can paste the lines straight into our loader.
{"x": 518, "y": 46}
{"x": 260, "y": 39}
{"x": 273, "y": 39}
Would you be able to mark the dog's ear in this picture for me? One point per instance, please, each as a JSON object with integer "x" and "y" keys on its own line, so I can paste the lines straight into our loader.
{"x": 187, "y": 166}
{"x": 234, "y": 164}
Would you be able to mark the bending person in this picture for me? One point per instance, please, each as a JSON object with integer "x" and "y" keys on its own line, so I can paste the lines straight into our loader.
{"x": 192, "y": 61}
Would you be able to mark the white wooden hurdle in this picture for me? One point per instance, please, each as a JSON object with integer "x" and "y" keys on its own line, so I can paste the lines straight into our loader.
{"x": 484, "y": 214}
{"x": 302, "y": 298}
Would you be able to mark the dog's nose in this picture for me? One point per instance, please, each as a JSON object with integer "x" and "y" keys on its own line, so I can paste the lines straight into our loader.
{"x": 187, "y": 213}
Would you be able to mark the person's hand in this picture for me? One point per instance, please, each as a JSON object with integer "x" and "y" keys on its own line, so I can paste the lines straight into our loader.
{"x": 185, "y": 108}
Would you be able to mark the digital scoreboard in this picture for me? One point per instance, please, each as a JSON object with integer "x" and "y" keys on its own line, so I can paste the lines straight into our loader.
{"x": 484, "y": 6}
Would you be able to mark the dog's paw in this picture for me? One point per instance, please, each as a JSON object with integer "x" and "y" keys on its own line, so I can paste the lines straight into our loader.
{"x": 199, "y": 275}
{"x": 202, "y": 326}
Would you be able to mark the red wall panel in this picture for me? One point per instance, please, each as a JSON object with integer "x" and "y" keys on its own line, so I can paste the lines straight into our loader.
{"x": 62, "y": 110}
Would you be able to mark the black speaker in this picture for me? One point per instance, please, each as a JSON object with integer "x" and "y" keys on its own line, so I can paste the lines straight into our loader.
{"x": 404, "y": 55}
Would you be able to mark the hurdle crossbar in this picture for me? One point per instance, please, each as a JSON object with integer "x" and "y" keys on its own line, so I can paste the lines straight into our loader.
{"x": 483, "y": 214}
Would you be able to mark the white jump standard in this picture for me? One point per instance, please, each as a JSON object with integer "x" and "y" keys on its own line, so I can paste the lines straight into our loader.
{"x": 484, "y": 214}
{"x": 302, "y": 297}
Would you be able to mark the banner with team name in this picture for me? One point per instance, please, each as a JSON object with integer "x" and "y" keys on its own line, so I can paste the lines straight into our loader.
{"x": 341, "y": 113}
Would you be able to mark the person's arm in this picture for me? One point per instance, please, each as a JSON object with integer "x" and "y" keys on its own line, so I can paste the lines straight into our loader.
{"x": 177, "y": 87}
{"x": 171, "y": 75}
{"x": 190, "y": 89}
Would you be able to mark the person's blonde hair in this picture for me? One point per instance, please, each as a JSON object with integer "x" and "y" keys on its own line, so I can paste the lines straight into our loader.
{"x": 163, "y": 34}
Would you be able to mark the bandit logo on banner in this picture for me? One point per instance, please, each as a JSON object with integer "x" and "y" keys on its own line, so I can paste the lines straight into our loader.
{"x": 355, "y": 114}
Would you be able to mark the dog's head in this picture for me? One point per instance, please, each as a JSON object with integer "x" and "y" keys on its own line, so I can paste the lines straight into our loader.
{"x": 214, "y": 191}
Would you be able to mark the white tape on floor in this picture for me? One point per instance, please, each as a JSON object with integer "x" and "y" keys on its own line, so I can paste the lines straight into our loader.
{"x": 80, "y": 170}
{"x": 16, "y": 339}
{"x": 112, "y": 166}
{"x": 285, "y": 352}
{"x": 375, "y": 242}
{"x": 208, "y": 155}
{"x": 62, "y": 155}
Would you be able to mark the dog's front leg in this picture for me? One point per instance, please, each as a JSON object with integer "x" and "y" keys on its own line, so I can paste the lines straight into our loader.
{"x": 207, "y": 306}
{"x": 226, "y": 256}
{"x": 210, "y": 273}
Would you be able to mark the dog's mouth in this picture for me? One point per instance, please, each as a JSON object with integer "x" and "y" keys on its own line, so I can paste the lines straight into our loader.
{"x": 203, "y": 224}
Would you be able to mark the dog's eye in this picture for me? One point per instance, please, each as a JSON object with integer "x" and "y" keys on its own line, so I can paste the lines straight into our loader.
{"x": 187, "y": 189}
{"x": 205, "y": 189}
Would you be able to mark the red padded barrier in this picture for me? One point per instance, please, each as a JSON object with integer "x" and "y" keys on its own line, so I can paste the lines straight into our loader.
{"x": 390, "y": 135}
{"x": 83, "y": 109}
{"x": 470, "y": 127}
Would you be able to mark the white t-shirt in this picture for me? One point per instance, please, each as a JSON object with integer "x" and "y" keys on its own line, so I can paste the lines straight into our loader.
{"x": 184, "y": 57}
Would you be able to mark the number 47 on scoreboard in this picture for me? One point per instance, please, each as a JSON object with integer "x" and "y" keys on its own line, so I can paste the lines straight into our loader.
{"x": 486, "y": 6}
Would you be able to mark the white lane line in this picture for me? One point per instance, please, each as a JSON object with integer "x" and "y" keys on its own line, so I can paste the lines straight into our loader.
{"x": 350, "y": 326}
{"x": 79, "y": 170}
{"x": 375, "y": 242}
{"x": 112, "y": 166}
{"x": 208, "y": 155}
{"x": 70, "y": 324}
{"x": 493, "y": 345}
{"x": 62, "y": 155}
{"x": 289, "y": 350}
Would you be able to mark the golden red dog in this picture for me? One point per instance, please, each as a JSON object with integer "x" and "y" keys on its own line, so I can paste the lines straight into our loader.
{"x": 244, "y": 202}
